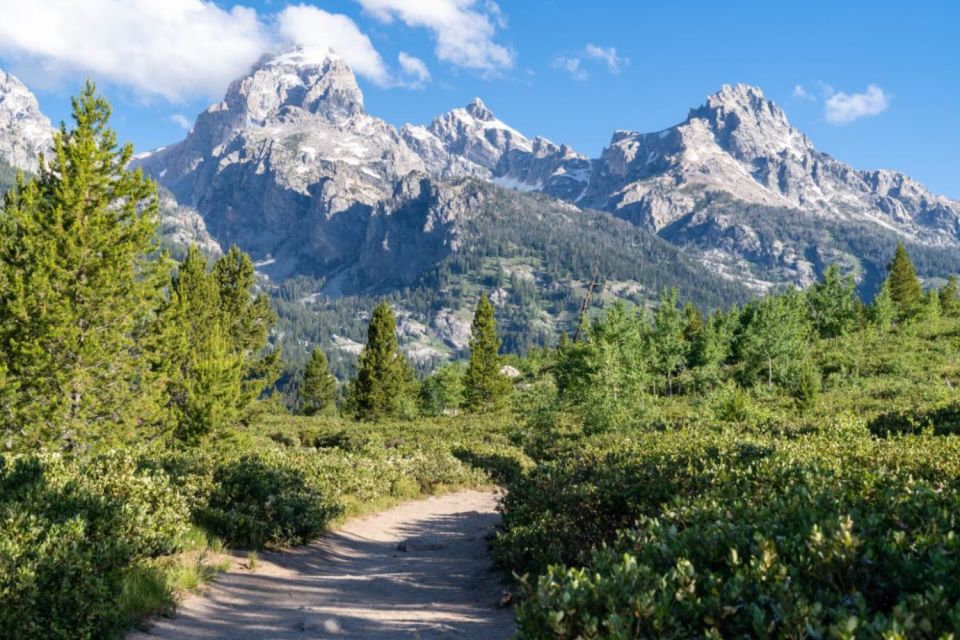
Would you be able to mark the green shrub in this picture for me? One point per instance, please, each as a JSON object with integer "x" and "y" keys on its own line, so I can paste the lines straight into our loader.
{"x": 264, "y": 500}
{"x": 70, "y": 534}
{"x": 833, "y": 535}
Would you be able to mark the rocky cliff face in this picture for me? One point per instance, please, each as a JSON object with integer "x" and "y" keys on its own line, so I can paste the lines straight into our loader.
{"x": 293, "y": 169}
{"x": 24, "y": 131}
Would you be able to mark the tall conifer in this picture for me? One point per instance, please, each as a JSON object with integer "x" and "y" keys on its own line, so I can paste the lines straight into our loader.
{"x": 485, "y": 387}
{"x": 318, "y": 388}
{"x": 384, "y": 382}
{"x": 78, "y": 288}
{"x": 905, "y": 288}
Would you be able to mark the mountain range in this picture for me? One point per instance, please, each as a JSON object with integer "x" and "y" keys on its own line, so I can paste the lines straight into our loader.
{"x": 338, "y": 207}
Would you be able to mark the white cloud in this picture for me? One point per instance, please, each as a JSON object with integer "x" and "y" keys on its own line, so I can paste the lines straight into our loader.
{"x": 319, "y": 30}
{"x": 607, "y": 55}
{"x": 464, "y": 30}
{"x": 168, "y": 48}
{"x": 181, "y": 121}
{"x": 571, "y": 64}
{"x": 574, "y": 63}
{"x": 844, "y": 108}
{"x": 414, "y": 67}
{"x": 799, "y": 91}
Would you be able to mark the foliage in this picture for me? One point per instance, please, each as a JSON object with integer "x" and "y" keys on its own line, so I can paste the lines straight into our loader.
{"x": 442, "y": 391}
{"x": 318, "y": 389}
{"x": 904, "y": 285}
{"x": 385, "y": 383}
{"x": 834, "y": 303}
{"x": 484, "y": 386}
{"x": 264, "y": 500}
{"x": 78, "y": 288}
{"x": 212, "y": 344}
{"x": 70, "y": 534}
{"x": 775, "y": 334}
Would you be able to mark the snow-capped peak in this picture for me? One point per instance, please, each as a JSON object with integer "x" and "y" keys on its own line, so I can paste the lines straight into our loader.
{"x": 479, "y": 110}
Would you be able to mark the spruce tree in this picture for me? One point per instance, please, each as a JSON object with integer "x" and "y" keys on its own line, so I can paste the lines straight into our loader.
{"x": 484, "y": 387}
{"x": 385, "y": 381}
{"x": 79, "y": 285}
{"x": 247, "y": 321}
{"x": 950, "y": 297}
{"x": 905, "y": 288}
{"x": 318, "y": 387}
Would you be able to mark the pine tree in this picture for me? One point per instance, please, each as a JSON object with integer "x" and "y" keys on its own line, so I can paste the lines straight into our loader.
{"x": 79, "y": 285}
{"x": 318, "y": 388}
{"x": 484, "y": 387}
{"x": 385, "y": 380}
{"x": 213, "y": 342}
{"x": 950, "y": 297}
{"x": 248, "y": 319}
{"x": 905, "y": 288}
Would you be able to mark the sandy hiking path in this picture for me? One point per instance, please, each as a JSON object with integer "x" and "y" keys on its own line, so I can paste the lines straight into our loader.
{"x": 419, "y": 570}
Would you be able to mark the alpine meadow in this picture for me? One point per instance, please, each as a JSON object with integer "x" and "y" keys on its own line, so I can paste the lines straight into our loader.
{"x": 304, "y": 372}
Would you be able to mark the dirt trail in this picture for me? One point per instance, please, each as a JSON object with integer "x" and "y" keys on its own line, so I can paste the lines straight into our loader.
{"x": 357, "y": 582}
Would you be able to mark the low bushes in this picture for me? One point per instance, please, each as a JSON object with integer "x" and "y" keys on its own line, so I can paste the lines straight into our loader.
{"x": 69, "y": 537}
{"x": 834, "y": 534}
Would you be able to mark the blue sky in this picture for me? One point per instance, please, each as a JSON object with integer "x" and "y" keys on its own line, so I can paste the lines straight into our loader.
{"x": 881, "y": 80}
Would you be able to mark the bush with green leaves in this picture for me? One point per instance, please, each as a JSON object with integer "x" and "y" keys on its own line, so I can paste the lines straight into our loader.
{"x": 262, "y": 500}
{"x": 70, "y": 534}
{"x": 833, "y": 534}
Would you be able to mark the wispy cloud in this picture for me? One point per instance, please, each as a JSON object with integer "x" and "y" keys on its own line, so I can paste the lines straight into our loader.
{"x": 843, "y": 108}
{"x": 799, "y": 91}
{"x": 574, "y": 63}
{"x": 172, "y": 49}
{"x": 181, "y": 49}
{"x": 321, "y": 30}
{"x": 464, "y": 30}
{"x": 414, "y": 68}
{"x": 181, "y": 121}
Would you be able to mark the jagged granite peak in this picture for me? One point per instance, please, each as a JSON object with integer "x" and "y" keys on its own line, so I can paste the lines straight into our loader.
{"x": 24, "y": 131}
{"x": 288, "y": 149}
{"x": 742, "y": 144}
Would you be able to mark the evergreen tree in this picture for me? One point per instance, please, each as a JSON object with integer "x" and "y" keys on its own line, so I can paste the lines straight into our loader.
{"x": 905, "y": 288}
{"x": 667, "y": 337}
{"x": 213, "y": 343}
{"x": 247, "y": 321}
{"x": 950, "y": 297}
{"x": 78, "y": 287}
{"x": 833, "y": 303}
{"x": 385, "y": 381}
{"x": 484, "y": 386}
{"x": 318, "y": 387}
{"x": 930, "y": 310}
